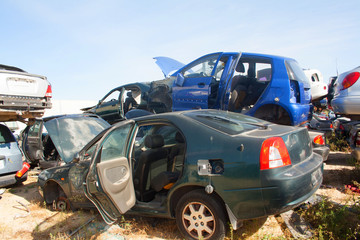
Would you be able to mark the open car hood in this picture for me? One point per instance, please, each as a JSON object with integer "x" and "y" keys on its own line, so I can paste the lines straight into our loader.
{"x": 72, "y": 132}
{"x": 168, "y": 65}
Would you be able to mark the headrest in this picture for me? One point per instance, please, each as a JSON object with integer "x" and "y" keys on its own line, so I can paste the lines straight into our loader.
{"x": 240, "y": 67}
{"x": 154, "y": 141}
{"x": 179, "y": 137}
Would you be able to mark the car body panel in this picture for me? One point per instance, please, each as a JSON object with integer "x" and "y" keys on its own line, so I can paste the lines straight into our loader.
{"x": 10, "y": 157}
{"x": 346, "y": 101}
{"x": 319, "y": 89}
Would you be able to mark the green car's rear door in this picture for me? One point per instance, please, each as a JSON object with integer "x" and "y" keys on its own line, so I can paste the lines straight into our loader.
{"x": 109, "y": 182}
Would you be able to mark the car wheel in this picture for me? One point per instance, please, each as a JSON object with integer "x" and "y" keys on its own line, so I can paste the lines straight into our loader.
{"x": 200, "y": 216}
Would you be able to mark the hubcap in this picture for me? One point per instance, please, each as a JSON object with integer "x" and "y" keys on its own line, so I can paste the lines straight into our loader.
{"x": 198, "y": 220}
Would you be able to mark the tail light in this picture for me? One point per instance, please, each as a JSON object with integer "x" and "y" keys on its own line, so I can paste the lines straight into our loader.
{"x": 24, "y": 169}
{"x": 48, "y": 92}
{"x": 319, "y": 140}
{"x": 274, "y": 154}
{"x": 350, "y": 79}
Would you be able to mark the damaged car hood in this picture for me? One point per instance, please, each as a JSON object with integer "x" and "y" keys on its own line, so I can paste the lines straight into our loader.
{"x": 71, "y": 133}
{"x": 168, "y": 65}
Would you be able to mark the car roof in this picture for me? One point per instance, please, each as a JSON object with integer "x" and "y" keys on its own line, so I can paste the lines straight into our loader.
{"x": 247, "y": 54}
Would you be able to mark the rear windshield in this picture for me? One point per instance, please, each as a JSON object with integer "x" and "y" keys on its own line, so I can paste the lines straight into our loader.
{"x": 5, "y": 135}
{"x": 295, "y": 72}
{"x": 227, "y": 122}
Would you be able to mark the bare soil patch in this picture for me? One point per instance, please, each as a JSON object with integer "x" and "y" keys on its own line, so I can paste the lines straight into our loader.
{"x": 24, "y": 215}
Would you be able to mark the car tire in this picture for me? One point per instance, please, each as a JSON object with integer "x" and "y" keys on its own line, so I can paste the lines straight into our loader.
{"x": 200, "y": 216}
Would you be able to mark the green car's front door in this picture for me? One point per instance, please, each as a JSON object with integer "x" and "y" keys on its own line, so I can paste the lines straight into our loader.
{"x": 109, "y": 182}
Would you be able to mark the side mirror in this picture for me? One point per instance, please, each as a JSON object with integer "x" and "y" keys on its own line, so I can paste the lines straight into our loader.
{"x": 179, "y": 80}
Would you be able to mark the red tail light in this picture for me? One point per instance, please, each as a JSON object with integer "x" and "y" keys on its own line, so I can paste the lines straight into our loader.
{"x": 319, "y": 140}
{"x": 350, "y": 79}
{"x": 24, "y": 169}
{"x": 274, "y": 154}
{"x": 48, "y": 92}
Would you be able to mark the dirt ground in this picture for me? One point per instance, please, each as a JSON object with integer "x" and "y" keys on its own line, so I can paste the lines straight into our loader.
{"x": 24, "y": 216}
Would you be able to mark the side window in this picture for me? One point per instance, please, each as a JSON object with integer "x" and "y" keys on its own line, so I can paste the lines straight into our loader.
{"x": 34, "y": 129}
{"x": 168, "y": 132}
{"x": 6, "y": 135}
{"x": 263, "y": 72}
{"x": 314, "y": 78}
{"x": 295, "y": 72}
{"x": 114, "y": 96}
{"x": 114, "y": 146}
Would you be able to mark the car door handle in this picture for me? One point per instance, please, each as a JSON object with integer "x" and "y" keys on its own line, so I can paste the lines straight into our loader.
{"x": 201, "y": 85}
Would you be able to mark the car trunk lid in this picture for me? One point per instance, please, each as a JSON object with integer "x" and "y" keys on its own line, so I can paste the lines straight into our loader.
{"x": 22, "y": 84}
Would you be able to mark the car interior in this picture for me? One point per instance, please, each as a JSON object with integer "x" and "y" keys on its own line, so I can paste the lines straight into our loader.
{"x": 158, "y": 158}
{"x": 249, "y": 82}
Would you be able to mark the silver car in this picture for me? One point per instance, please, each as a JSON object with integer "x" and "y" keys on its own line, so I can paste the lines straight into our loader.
{"x": 346, "y": 99}
{"x": 22, "y": 95}
{"x": 10, "y": 158}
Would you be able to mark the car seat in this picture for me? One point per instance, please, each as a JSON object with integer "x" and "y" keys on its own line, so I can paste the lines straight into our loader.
{"x": 146, "y": 163}
{"x": 239, "y": 86}
{"x": 166, "y": 179}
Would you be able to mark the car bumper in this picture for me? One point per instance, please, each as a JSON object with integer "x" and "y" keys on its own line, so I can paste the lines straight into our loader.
{"x": 346, "y": 105}
{"x": 290, "y": 188}
{"x": 10, "y": 179}
{"x": 282, "y": 190}
{"x": 323, "y": 151}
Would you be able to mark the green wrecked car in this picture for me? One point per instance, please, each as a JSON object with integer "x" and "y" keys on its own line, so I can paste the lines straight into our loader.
{"x": 203, "y": 168}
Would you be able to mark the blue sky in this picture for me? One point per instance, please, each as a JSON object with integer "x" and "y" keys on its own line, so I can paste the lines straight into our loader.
{"x": 87, "y": 48}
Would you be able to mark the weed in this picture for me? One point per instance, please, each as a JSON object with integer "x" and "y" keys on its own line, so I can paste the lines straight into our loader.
{"x": 332, "y": 221}
{"x": 338, "y": 143}
{"x": 12, "y": 190}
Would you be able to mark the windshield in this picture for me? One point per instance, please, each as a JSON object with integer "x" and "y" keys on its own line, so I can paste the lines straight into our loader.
{"x": 227, "y": 122}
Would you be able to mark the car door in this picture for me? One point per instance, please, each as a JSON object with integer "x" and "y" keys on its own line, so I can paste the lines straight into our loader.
{"x": 203, "y": 83}
{"x": 109, "y": 108}
{"x": 32, "y": 142}
{"x": 109, "y": 182}
{"x": 191, "y": 88}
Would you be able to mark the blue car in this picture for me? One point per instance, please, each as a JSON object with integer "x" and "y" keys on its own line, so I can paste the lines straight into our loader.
{"x": 268, "y": 87}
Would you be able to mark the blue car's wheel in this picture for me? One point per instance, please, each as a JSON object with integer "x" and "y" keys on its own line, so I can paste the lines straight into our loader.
{"x": 200, "y": 216}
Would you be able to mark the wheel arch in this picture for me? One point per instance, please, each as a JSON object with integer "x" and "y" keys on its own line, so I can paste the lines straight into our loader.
{"x": 282, "y": 114}
{"x": 52, "y": 191}
{"x": 175, "y": 197}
